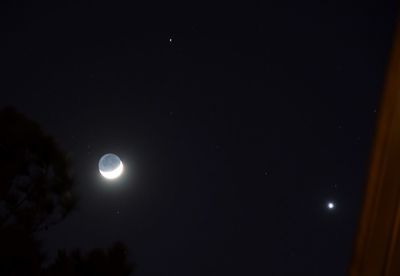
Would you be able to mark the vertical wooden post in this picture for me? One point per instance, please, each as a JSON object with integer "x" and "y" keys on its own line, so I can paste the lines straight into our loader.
{"x": 377, "y": 244}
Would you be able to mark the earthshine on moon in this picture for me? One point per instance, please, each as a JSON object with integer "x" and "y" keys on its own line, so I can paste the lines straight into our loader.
{"x": 110, "y": 166}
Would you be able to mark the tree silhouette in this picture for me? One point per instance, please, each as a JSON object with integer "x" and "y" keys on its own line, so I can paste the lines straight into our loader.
{"x": 35, "y": 189}
{"x": 20, "y": 252}
{"x": 35, "y": 193}
{"x": 98, "y": 262}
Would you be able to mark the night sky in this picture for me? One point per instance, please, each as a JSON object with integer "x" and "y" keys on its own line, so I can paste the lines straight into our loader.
{"x": 237, "y": 124}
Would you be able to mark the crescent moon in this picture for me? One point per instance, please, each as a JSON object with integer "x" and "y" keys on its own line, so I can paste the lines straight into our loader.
{"x": 114, "y": 173}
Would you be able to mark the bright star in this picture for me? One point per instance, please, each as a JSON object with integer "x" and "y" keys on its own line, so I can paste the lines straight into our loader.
{"x": 331, "y": 205}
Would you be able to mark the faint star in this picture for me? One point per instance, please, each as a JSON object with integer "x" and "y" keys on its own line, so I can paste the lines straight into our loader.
{"x": 170, "y": 39}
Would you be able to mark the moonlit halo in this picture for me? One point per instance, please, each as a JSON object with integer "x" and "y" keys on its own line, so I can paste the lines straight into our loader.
{"x": 114, "y": 173}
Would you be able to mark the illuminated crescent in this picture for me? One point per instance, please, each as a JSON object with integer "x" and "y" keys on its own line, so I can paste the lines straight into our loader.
{"x": 114, "y": 173}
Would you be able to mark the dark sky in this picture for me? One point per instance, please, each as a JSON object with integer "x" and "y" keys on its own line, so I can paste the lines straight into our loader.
{"x": 237, "y": 124}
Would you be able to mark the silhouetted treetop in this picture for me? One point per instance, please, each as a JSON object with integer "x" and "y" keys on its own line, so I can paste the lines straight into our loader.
{"x": 97, "y": 262}
{"x": 35, "y": 183}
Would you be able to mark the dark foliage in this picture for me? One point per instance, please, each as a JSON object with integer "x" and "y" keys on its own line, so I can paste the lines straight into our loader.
{"x": 35, "y": 189}
{"x": 98, "y": 262}
{"x": 20, "y": 252}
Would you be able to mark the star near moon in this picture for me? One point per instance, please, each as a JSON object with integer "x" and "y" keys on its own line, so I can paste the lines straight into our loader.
{"x": 331, "y": 205}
